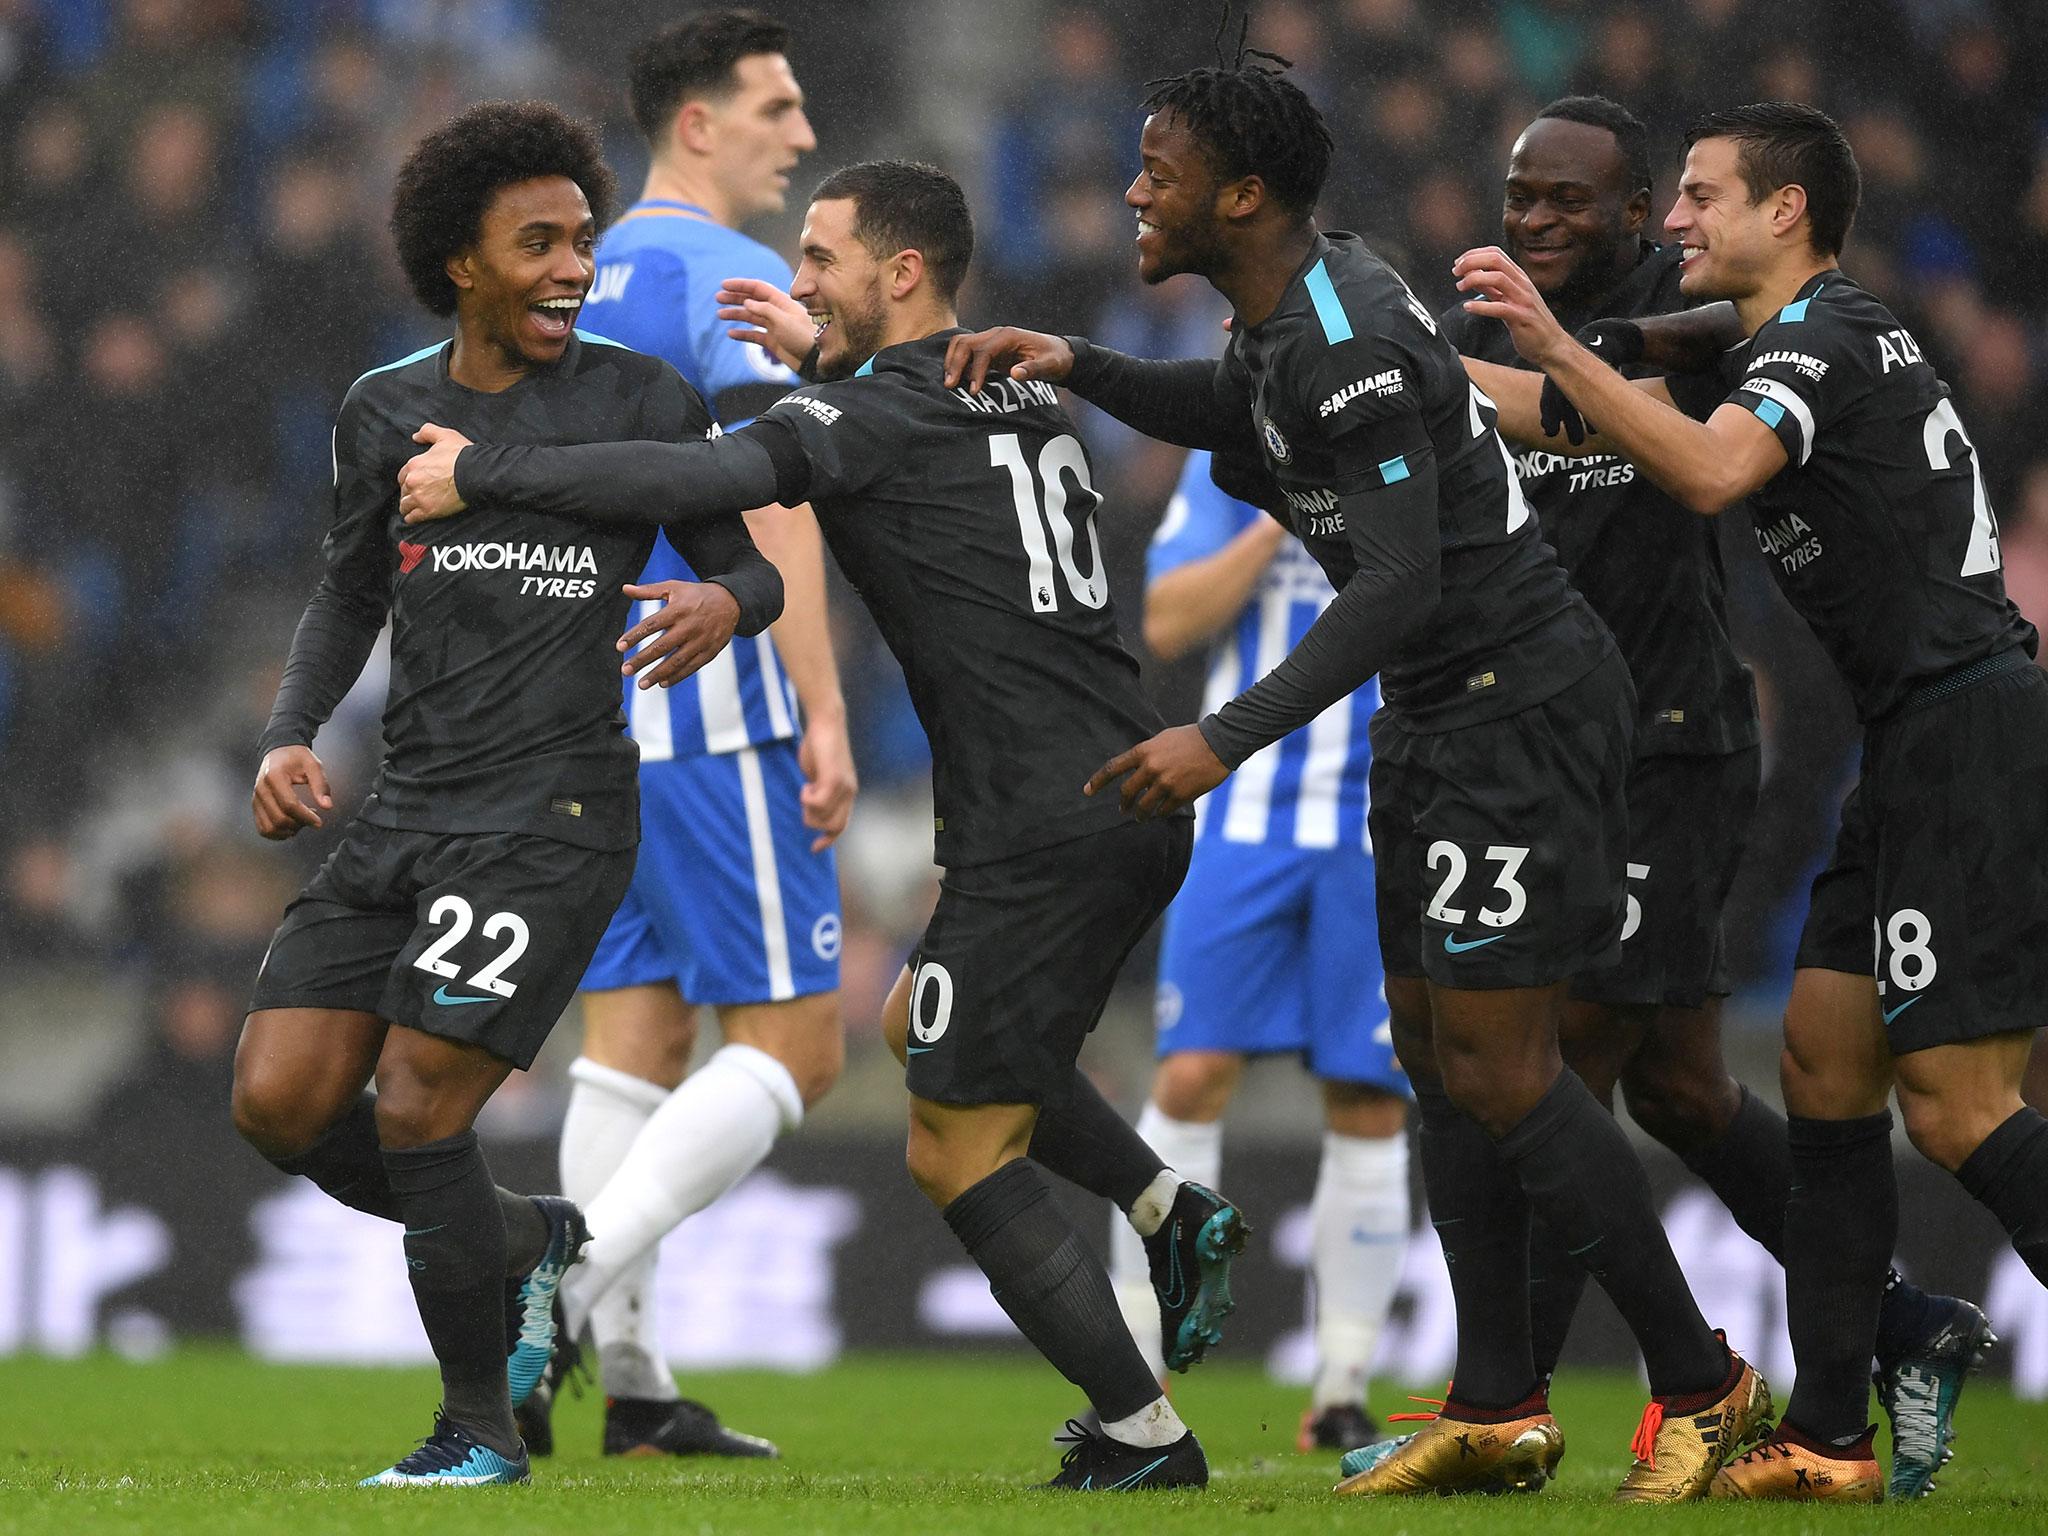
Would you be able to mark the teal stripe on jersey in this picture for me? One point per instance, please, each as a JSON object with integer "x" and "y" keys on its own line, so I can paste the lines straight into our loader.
{"x": 1394, "y": 470}
{"x": 1769, "y": 412}
{"x": 864, "y": 369}
{"x": 602, "y": 341}
{"x": 1792, "y": 314}
{"x": 423, "y": 352}
{"x": 1323, "y": 293}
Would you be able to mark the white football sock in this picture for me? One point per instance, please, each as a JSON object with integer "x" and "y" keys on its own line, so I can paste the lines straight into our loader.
{"x": 1155, "y": 1424}
{"x": 607, "y": 1110}
{"x": 1194, "y": 1152}
{"x": 1359, "y": 1232}
{"x": 708, "y": 1135}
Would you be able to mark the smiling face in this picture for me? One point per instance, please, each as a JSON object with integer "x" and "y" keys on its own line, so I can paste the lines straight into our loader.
{"x": 841, "y": 283}
{"x": 1179, "y": 203}
{"x": 756, "y": 135}
{"x": 520, "y": 287}
{"x": 1568, "y": 215}
{"x": 1726, "y": 239}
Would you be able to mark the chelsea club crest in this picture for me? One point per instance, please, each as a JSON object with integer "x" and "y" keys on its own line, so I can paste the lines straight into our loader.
{"x": 1276, "y": 445}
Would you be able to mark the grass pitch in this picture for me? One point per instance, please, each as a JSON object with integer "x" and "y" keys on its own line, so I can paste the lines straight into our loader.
{"x": 212, "y": 1442}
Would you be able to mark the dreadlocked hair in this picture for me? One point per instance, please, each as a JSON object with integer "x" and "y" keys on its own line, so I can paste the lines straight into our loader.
{"x": 1251, "y": 120}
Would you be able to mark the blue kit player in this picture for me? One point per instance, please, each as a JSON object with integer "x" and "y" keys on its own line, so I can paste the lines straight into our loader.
{"x": 1270, "y": 946}
{"x": 745, "y": 772}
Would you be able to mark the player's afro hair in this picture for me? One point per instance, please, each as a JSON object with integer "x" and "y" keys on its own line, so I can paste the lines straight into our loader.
{"x": 449, "y": 179}
{"x": 1785, "y": 144}
{"x": 1250, "y": 119}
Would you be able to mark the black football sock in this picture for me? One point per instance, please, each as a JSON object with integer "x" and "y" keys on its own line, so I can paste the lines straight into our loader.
{"x": 1482, "y": 1219}
{"x": 1556, "y": 1282}
{"x": 1087, "y": 1143}
{"x": 2008, "y": 1173}
{"x": 1749, "y": 1169}
{"x": 347, "y": 1164}
{"x": 1053, "y": 1288}
{"x": 1841, "y": 1221}
{"x": 455, "y": 1248}
{"x": 1579, "y": 1171}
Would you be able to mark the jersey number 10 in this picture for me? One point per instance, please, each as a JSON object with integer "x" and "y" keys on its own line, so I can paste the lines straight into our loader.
{"x": 1061, "y": 456}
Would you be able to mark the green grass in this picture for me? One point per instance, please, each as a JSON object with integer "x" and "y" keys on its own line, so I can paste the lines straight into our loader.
{"x": 212, "y": 1442}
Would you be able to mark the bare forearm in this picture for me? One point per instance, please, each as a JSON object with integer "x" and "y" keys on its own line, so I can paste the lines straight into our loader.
{"x": 1191, "y": 603}
{"x": 1681, "y": 456}
{"x": 789, "y": 537}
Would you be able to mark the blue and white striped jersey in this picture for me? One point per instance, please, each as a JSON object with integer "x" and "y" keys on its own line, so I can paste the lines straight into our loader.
{"x": 658, "y": 270}
{"x": 1308, "y": 788}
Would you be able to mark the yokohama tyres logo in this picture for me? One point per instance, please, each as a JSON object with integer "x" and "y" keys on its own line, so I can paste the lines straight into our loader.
{"x": 409, "y": 555}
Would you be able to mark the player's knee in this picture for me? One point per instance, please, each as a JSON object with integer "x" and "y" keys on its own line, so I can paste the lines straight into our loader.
{"x": 1495, "y": 1093}
{"x": 1195, "y": 1086}
{"x": 1677, "y": 1108}
{"x": 1946, "y": 1128}
{"x": 271, "y": 1114}
{"x": 931, "y": 1166}
{"x": 413, "y": 1110}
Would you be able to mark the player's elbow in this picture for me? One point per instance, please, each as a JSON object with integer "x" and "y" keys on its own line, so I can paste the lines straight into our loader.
{"x": 1705, "y": 492}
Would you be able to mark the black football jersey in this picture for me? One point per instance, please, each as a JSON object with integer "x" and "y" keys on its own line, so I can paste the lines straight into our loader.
{"x": 1650, "y": 567}
{"x": 1878, "y": 529}
{"x": 967, "y": 525}
{"x": 1351, "y": 385}
{"x": 503, "y": 713}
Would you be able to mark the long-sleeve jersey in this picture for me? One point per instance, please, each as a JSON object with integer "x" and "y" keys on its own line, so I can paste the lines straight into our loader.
{"x": 1347, "y": 412}
{"x": 503, "y": 714}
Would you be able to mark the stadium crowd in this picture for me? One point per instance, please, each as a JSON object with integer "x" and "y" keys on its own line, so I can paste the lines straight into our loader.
{"x": 193, "y": 266}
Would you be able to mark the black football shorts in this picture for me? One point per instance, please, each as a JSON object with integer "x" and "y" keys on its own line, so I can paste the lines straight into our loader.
{"x": 1018, "y": 961}
{"x": 1688, "y": 823}
{"x": 1499, "y": 848}
{"x": 480, "y": 937}
{"x": 1939, "y": 880}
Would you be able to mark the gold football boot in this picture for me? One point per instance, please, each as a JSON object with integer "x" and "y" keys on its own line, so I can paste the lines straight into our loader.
{"x": 1678, "y": 1454}
{"x": 1781, "y": 1468}
{"x": 1449, "y": 1456}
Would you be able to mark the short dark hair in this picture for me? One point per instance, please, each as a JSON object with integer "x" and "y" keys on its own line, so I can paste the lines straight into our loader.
{"x": 1630, "y": 136}
{"x": 905, "y": 205}
{"x": 1783, "y": 144}
{"x": 1250, "y": 119}
{"x": 695, "y": 57}
{"x": 449, "y": 179}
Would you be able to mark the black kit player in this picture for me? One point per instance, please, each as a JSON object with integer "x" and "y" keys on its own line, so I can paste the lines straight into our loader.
{"x": 1575, "y": 204}
{"x": 1925, "y": 955}
{"x": 1499, "y": 759}
{"x": 440, "y": 941}
{"x": 966, "y": 524}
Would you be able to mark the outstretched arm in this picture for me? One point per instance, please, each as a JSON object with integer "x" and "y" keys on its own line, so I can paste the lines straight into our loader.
{"x": 1703, "y": 465}
{"x": 1187, "y": 401}
{"x": 643, "y": 482}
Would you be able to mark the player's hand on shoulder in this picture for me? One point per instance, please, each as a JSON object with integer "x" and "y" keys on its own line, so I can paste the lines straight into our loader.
{"x": 426, "y": 481}
{"x": 1502, "y": 291}
{"x": 1026, "y": 354}
{"x": 769, "y": 318}
{"x": 1160, "y": 775}
{"x": 694, "y": 623}
{"x": 280, "y": 811}
{"x": 830, "y": 783}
